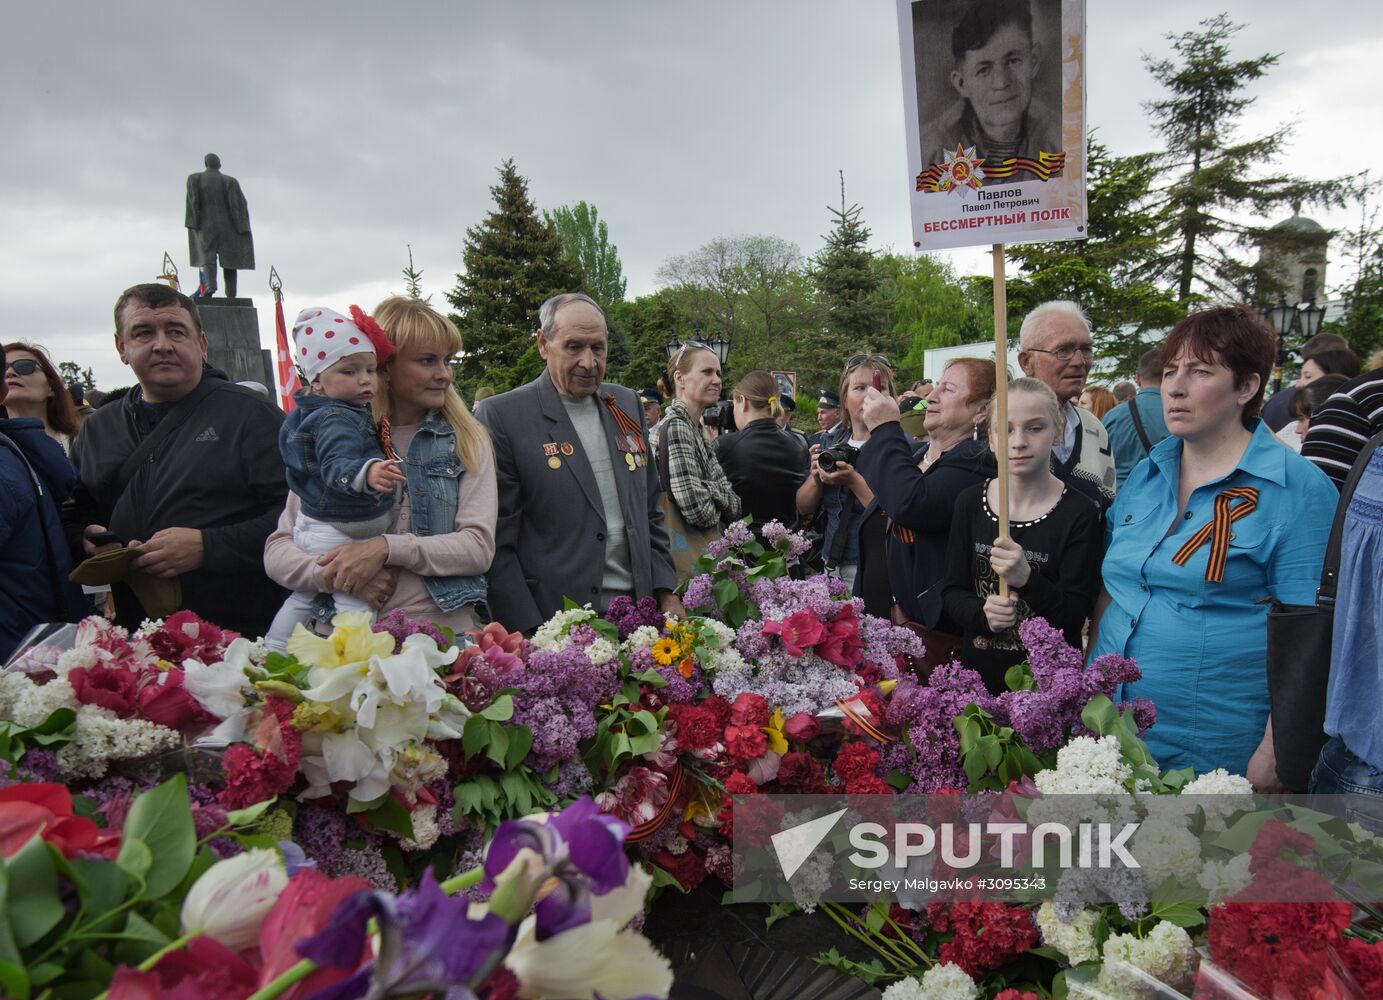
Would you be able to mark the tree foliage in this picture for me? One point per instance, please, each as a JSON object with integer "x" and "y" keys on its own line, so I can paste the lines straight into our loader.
{"x": 586, "y": 245}
{"x": 73, "y": 374}
{"x": 1105, "y": 273}
{"x": 848, "y": 284}
{"x": 1362, "y": 323}
{"x": 1213, "y": 181}
{"x": 513, "y": 260}
{"x": 413, "y": 280}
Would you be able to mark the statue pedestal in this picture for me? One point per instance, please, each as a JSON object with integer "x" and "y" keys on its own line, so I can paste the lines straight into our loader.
{"x": 232, "y": 335}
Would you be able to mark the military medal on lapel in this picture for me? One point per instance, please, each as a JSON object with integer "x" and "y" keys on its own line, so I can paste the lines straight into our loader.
{"x": 630, "y": 438}
{"x": 550, "y": 450}
{"x": 629, "y": 460}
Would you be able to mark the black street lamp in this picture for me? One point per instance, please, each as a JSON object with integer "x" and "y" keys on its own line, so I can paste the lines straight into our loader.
{"x": 1284, "y": 319}
{"x": 719, "y": 345}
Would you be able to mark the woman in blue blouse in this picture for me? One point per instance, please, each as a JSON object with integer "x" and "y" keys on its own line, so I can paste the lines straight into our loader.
{"x": 1217, "y": 517}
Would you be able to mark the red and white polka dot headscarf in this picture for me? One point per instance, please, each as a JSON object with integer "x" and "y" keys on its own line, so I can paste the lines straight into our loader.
{"x": 323, "y": 337}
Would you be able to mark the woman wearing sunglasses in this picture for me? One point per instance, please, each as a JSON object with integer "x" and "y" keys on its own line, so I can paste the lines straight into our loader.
{"x": 37, "y": 390}
{"x": 839, "y": 493}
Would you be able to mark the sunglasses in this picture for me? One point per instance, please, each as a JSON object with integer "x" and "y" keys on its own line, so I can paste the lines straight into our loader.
{"x": 23, "y": 366}
{"x": 860, "y": 359}
{"x": 690, "y": 345}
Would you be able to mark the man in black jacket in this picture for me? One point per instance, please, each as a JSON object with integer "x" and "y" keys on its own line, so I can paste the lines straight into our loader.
{"x": 185, "y": 467}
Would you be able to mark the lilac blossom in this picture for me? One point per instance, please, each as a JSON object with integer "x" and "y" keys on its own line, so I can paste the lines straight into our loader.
{"x": 930, "y": 753}
{"x": 627, "y": 615}
{"x": 400, "y": 626}
{"x": 699, "y": 592}
{"x": 679, "y": 688}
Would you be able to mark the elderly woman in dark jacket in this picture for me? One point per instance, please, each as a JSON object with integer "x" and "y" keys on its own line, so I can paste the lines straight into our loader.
{"x": 916, "y": 491}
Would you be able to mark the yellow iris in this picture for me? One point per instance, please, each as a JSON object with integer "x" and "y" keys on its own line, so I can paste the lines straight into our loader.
{"x": 777, "y": 742}
{"x": 665, "y": 652}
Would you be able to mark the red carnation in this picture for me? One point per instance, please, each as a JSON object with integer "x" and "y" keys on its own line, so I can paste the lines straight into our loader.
{"x": 749, "y": 709}
{"x": 868, "y": 784}
{"x": 267, "y": 768}
{"x": 800, "y": 774}
{"x": 113, "y": 688}
{"x": 687, "y": 868}
{"x": 746, "y": 742}
{"x": 854, "y": 760}
{"x": 1013, "y": 994}
{"x": 987, "y": 936}
{"x": 720, "y": 708}
{"x": 696, "y": 726}
{"x": 184, "y": 635}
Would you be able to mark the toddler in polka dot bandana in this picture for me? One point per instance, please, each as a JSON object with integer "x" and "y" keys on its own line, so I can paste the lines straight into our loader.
{"x": 331, "y": 450}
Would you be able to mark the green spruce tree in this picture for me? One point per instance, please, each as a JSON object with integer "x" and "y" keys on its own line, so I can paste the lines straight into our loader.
{"x": 857, "y": 314}
{"x": 1214, "y": 178}
{"x": 413, "y": 280}
{"x": 512, "y": 261}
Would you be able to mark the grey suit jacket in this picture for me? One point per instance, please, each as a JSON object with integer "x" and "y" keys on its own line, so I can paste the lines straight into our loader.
{"x": 550, "y": 539}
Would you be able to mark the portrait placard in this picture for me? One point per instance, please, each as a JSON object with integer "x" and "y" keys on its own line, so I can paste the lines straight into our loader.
{"x": 994, "y": 108}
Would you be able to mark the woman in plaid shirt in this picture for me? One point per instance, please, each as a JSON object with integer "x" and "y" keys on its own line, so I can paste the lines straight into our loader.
{"x": 696, "y": 481}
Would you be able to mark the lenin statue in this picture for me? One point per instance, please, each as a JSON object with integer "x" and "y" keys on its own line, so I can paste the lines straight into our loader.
{"x": 218, "y": 226}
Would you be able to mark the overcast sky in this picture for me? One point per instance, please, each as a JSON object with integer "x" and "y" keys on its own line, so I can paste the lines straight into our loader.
{"x": 357, "y": 128}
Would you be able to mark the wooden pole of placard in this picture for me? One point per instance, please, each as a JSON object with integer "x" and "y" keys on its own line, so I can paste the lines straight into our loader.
{"x": 998, "y": 419}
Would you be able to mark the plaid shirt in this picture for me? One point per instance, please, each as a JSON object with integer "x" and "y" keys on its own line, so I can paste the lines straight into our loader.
{"x": 697, "y": 483}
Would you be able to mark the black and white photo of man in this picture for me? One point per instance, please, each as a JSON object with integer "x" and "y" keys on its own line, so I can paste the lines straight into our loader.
{"x": 1000, "y": 91}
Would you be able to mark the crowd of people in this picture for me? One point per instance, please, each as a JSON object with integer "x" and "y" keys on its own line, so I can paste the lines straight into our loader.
{"x": 1155, "y": 520}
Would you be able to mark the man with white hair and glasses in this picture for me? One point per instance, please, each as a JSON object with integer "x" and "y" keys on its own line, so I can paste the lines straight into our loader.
{"x": 1055, "y": 347}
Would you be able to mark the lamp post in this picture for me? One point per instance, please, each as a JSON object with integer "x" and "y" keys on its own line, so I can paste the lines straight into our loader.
{"x": 1284, "y": 319}
{"x": 718, "y": 345}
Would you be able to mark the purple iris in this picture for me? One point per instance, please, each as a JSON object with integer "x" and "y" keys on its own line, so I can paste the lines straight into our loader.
{"x": 428, "y": 944}
{"x": 580, "y": 846}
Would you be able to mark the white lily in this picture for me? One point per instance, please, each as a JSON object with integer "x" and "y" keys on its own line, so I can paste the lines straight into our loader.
{"x": 345, "y": 757}
{"x": 220, "y": 687}
{"x": 232, "y": 898}
{"x": 595, "y": 958}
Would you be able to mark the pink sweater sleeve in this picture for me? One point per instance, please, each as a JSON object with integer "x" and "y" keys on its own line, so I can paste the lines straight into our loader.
{"x": 285, "y": 563}
{"x": 467, "y": 551}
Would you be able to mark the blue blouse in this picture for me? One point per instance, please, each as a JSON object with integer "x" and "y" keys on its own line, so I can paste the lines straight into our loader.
{"x": 1202, "y": 643}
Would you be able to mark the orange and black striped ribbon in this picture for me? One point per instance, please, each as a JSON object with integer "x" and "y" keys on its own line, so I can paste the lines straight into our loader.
{"x": 646, "y": 830}
{"x": 631, "y": 430}
{"x": 386, "y": 439}
{"x": 1217, "y": 532}
{"x": 853, "y": 714}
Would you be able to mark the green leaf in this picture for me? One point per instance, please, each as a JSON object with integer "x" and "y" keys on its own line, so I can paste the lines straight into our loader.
{"x": 391, "y": 816}
{"x": 32, "y": 899}
{"x": 645, "y": 719}
{"x": 777, "y": 911}
{"x": 475, "y": 736}
{"x": 499, "y": 745}
{"x": 14, "y": 980}
{"x": 650, "y": 677}
{"x": 1019, "y": 678}
{"x": 1099, "y": 714}
{"x": 725, "y": 591}
{"x": 250, "y": 814}
{"x": 1181, "y": 914}
{"x": 974, "y": 766}
{"x": 135, "y": 858}
{"x": 520, "y": 742}
{"x": 501, "y": 710}
{"x": 140, "y": 929}
{"x": 162, "y": 819}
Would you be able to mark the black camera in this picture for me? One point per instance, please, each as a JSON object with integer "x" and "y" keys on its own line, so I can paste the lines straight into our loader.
{"x": 841, "y": 454}
{"x": 721, "y": 415}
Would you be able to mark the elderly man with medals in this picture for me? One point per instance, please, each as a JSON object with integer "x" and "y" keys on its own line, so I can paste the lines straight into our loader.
{"x": 579, "y": 513}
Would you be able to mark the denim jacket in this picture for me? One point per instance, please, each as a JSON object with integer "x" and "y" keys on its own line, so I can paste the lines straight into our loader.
{"x": 325, "y": 442}
{"x": 434, "y": 485}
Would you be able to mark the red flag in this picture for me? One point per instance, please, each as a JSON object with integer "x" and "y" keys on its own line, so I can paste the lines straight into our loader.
{"x": 288, "y": 382}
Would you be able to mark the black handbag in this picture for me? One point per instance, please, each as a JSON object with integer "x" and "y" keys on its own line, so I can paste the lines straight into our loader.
{"x": 1299, "y": 638}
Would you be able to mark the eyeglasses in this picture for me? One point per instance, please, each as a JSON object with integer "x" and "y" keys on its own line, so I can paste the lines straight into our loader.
{"x": 23, "y": 366}
{"x": 1066, "y": 352}
{"x": 860, "y": 359}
